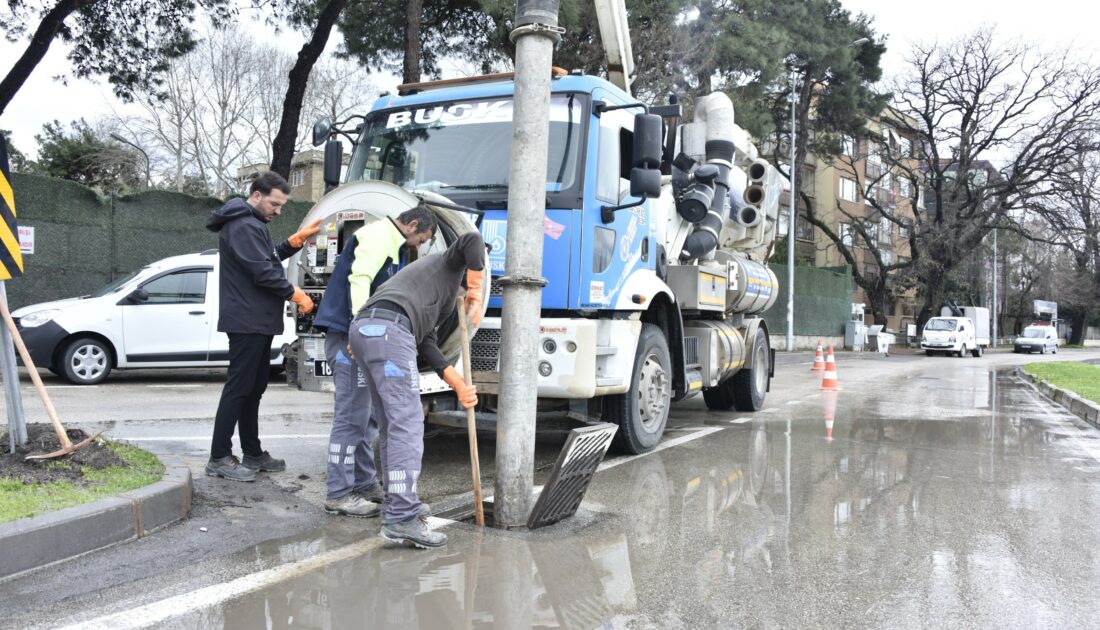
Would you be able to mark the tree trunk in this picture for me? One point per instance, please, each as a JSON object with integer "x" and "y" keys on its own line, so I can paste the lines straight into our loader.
{"x": 1079, "y": 322}
{"x": 932, "y": 299}
{"x": 36, "y": 50}
{"x": 282, "y": 149}
{"x": 411, "y": 70}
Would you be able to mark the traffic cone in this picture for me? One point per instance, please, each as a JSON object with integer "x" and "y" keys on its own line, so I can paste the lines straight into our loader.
{"x": 819, "y": 360}
{"x": 828, "y": 378}
{"x": 829, "y": 402}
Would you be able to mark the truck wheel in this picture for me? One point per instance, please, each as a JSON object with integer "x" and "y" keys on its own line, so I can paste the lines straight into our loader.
{"x": 977, "y": 352}
{"x": 86, "y": 361}
{"x": 742, "y": 391}
{"x": 642, "y": 412}
{"x": 751, "y": 384}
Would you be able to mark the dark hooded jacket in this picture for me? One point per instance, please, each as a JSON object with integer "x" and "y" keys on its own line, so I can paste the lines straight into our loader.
{"x": 426, "y": 291}
{"x": 252, "y": 283}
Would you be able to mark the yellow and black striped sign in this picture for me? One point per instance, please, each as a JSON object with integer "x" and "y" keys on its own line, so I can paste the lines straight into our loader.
{"x": 11, "y": 259}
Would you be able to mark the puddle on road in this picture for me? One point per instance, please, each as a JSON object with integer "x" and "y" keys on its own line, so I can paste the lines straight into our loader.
{"x": 867, "y": 516}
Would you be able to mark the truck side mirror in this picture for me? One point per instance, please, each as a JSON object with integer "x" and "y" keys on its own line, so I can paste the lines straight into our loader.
{"x": 334, "y": 160}
{"x": 321, "y": 130}
{"x": 645, "y": 182}
{"x": 647, "y": 142}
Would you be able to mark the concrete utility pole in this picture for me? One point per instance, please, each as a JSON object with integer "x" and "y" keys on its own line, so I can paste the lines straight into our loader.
{"x": 535, "y": 34}
{"x": 994, "y": 309}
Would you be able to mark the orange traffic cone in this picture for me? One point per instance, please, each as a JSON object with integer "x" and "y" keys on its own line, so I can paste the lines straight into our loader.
{"x": 828, "y": 378}
{"x": 819, "y": 359}
{"x": 829, "y": 402}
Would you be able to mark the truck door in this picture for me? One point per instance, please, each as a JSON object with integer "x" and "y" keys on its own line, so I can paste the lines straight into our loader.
{"x": 610, "y": 252}
{"x": 172, "y": 324}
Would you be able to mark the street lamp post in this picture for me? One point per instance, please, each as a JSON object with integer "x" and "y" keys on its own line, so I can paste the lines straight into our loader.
{"x": 143, "y": 153}
{"x": 792, "y": 213}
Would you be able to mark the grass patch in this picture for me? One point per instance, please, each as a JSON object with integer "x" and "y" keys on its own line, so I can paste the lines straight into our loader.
{"x": 21, "y": 500}
{"x": 1081, "y": 378}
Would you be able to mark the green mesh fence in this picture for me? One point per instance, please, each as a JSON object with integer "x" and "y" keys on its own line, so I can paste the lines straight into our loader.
{"x": 83, "y": 240}
{"x": 822, "y": 300}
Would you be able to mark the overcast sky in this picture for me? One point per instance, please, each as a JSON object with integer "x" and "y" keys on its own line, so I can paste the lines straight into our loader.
{"x": 1054, "y": 23}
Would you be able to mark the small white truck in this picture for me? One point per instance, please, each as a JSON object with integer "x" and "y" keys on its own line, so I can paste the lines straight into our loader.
{"x": 958, "y": 330}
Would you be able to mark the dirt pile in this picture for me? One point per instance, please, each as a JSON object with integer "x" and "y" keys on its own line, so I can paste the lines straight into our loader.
{"x": 41, "y": 440}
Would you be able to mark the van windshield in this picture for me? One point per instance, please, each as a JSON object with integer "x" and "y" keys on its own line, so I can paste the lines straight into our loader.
{"x": 114, "y": 286}
{"x": 1035, "y": 333}
{"x": 462, "y": 146}
{"x": 940, "y": 324}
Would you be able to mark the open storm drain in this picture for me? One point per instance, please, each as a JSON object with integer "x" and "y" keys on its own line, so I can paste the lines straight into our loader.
{"x": 576, "y": 465}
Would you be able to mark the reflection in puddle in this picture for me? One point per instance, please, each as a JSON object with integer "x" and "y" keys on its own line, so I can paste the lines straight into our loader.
{"x": 761, "y": 525}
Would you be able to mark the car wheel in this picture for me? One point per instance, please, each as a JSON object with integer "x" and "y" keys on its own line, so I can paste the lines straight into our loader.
{"x": 86, "y": 361}
{"x": 1042, "y": 349}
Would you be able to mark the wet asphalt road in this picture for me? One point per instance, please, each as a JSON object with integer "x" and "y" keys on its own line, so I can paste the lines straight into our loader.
{"x": 949, "y": 494}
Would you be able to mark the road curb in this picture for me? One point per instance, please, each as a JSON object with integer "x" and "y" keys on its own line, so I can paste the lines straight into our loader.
{"x": 32, "y": 543}
{"x": 1078, "y": 406}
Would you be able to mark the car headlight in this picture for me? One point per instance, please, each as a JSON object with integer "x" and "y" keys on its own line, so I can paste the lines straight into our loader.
{"x": 38, "y": 318}
{"x": 952, "y": 339}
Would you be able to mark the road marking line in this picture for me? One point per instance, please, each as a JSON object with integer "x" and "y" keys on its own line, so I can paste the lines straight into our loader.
{"x": 794, "y": 402}
{"x": 180, "y": 386}
{"x": 193, "y": 438}
{"x": 669, "y": 444}
{"x": 171, "y": 607}
{"x": 741, "y": 420}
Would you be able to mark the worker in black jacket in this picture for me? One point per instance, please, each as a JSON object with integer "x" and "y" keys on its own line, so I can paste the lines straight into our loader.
{"x": 252, "y": 289}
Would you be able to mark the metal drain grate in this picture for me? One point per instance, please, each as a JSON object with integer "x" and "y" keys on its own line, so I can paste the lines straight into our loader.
{"x": 563, "y": 492}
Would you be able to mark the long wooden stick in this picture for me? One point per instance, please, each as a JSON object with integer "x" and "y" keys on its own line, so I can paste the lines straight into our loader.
{"x": 471, "y": 420}
{"x": 66, "y": 443}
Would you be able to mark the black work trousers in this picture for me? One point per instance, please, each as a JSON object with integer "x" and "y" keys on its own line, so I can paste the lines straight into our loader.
{"x": 249, "y": 371}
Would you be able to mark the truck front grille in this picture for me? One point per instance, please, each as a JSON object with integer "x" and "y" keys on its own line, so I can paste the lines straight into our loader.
{"x": 485, "y": 350}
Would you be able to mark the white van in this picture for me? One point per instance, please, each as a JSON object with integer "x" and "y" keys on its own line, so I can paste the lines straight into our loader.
{"x": 162, "y": 315}
{"x": 1037, "y": 338}
{"x": 952, "y": 335}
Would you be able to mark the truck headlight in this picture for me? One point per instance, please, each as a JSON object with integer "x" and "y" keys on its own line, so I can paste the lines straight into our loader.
{"x": 38, "y": 318}
{"x": 952, "y": 339}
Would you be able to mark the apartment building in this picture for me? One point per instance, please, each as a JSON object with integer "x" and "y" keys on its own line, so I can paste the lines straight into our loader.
{"x": 873, "y": 175}
{"x": 306, "y": 179}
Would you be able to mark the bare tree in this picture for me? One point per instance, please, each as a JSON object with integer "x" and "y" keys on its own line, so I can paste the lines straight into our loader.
{"x": 1074, "y": 212}
{"x": 977, "y": 101}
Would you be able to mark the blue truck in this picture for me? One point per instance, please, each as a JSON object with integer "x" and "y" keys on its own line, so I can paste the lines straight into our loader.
{"x": 655, "y": 241}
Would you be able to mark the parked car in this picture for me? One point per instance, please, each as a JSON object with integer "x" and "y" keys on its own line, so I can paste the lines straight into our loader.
{"x": 164, "y": 315}
{"x": 1037, "y": 339}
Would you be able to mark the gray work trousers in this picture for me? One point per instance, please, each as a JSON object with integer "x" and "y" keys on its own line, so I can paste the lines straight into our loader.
{"x": 351, "y": 442}
{"x": 386, "y": 351}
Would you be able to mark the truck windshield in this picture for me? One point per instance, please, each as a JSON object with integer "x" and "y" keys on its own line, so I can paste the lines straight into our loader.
{"x": 940, "y": 324}
{"x": 461, "y": 146}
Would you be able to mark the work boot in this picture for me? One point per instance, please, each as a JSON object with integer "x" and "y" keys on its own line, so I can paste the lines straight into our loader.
{"x": 230, "y": 467}
{"x": 414, "y": 532}
{"x": 371, "y": 493}
{"x": 264, "y": 462}
{"x": 352, "y": 505}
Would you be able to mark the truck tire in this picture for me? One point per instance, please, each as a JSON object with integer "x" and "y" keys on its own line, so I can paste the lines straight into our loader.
{"x": 745, "y": 390}
{"x": 86, "y": 361}
{"x": 978, "y": 351}
{"x": 642, "y": 412}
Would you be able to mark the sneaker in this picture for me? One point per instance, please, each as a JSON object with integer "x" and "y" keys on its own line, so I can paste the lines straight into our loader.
{"x": 371, "y": 493}
{"x": 229, "y": 467}
{"x": 352, "y": 505}
{"x": 414, "y": 533}
{"x": 264, "y": 462}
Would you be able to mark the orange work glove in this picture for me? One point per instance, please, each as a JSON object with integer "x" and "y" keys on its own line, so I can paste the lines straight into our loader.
{"x": 300, "y": 298}
{"x": 474, "y": 292}
{"x": 467, "y": 394}
{"x": 298, "y": 238}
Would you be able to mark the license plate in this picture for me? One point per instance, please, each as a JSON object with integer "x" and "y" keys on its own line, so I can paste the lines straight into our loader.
{"x": 320, "y": 368}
